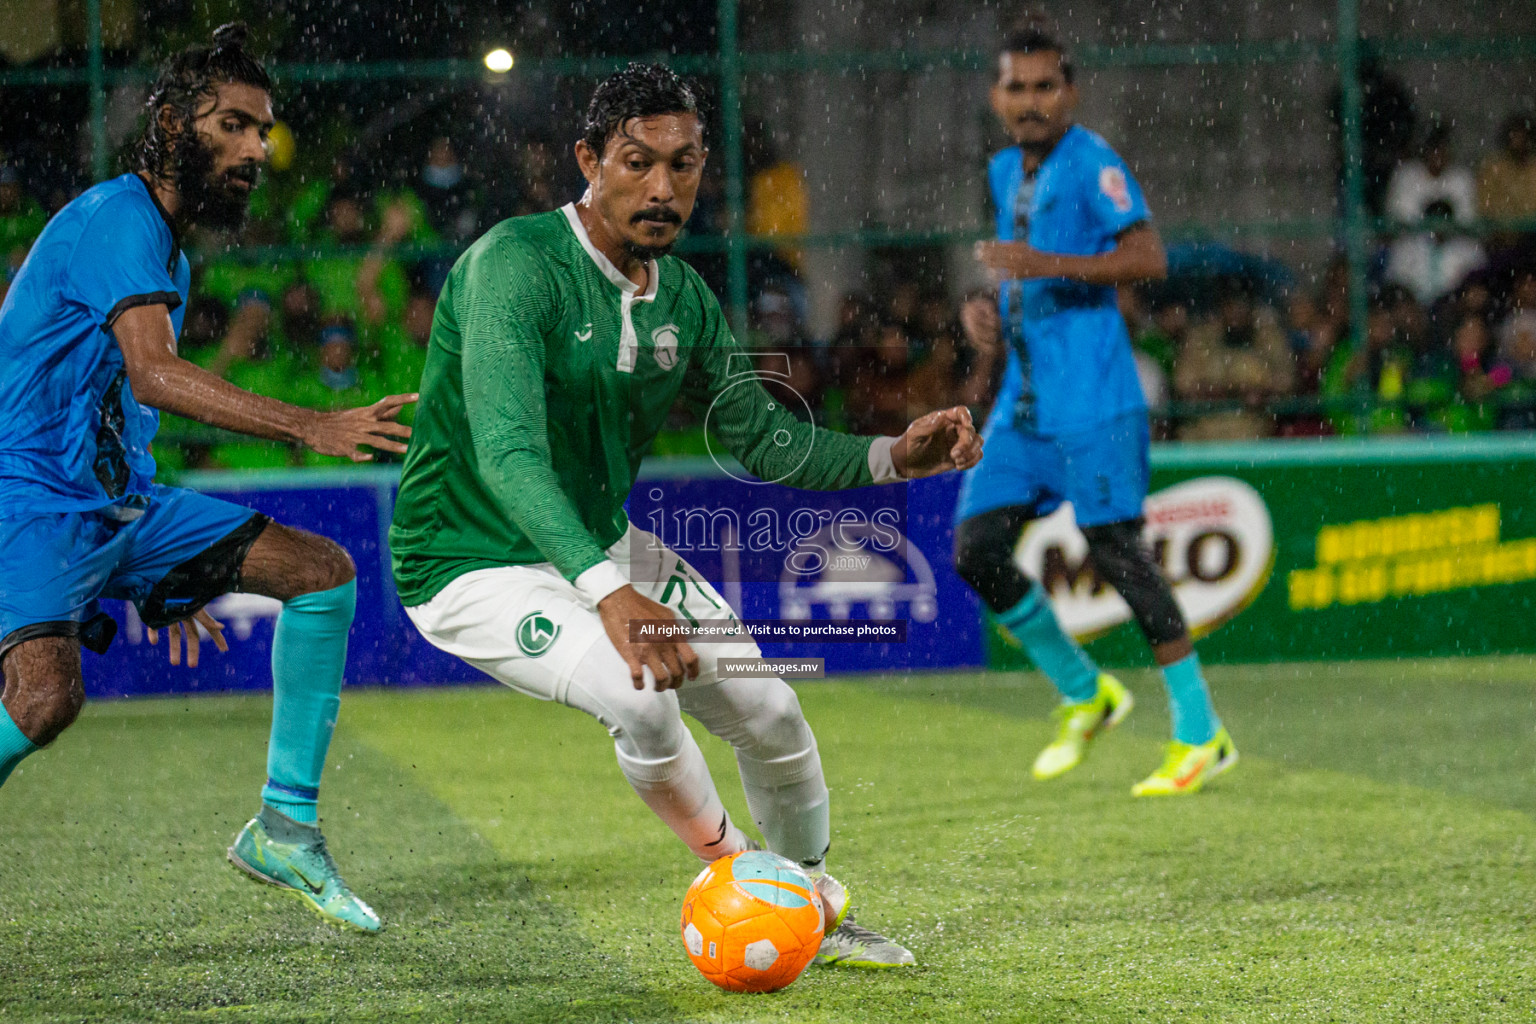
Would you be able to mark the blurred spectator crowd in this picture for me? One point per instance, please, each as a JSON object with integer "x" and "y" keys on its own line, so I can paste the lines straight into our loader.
{"x": 1231, "y": 346}
{"x": 344, "y": 323}
{"x": 1448, "y": 344}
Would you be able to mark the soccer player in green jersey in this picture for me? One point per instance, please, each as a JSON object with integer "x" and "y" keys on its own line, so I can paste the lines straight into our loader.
{"x": 560, "y": 343}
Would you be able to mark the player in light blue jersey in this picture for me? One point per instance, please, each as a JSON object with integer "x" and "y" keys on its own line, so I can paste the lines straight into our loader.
{"x": 87, "y": 356}
{"x": 1070, "y": 423}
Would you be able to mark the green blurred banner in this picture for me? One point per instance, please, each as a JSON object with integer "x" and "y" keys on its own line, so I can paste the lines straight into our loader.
{"x": 1319, "y": 550}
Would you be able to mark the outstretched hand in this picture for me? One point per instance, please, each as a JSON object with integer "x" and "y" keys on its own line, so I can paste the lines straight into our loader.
{"x": 186, "y": 630}
{"x": 340, "y": 433}
{"x": 936, "y": 443}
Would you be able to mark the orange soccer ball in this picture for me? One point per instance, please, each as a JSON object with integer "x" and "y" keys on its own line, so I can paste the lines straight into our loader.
{"x": 752, "y": 922}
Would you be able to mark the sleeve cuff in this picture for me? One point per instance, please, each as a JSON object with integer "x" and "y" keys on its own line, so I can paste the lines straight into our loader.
{"x": 600, "y": 580}
{"x": 1132, "y": 224}
{"x": 881, "y": 466}
{"x": 170, "y": 300}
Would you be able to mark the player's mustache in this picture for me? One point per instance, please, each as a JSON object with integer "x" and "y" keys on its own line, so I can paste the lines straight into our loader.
{"x": 660, "y": 214}
{"x": 247, "y": 173}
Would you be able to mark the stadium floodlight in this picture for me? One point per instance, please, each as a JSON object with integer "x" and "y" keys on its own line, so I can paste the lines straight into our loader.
{"x": 499, "y": 60}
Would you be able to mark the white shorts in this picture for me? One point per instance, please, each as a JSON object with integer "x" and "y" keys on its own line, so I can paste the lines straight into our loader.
{"x": 528, "y": 627}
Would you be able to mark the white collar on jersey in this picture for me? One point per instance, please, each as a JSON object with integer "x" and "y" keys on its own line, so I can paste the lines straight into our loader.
{"x": 611, "y": 272}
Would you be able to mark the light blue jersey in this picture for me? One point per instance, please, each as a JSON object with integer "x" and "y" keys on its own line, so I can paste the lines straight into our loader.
{"x": 72, "y": 437}
{"x": 1070, "y": 366}
{"x": 80, "y": 515}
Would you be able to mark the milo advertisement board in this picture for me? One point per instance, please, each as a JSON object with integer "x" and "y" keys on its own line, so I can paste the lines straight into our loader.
{"x": 1317, "y": 550}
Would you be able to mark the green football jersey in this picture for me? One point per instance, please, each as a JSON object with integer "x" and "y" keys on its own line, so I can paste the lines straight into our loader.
{"x": 547, "y": 376}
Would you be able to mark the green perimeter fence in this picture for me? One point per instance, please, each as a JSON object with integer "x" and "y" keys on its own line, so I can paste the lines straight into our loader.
{"x": 730, "y": 65}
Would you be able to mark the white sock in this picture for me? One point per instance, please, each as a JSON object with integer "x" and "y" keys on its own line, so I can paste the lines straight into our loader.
{"x": 683, "y": 796}
{"x": 790, "y": 804}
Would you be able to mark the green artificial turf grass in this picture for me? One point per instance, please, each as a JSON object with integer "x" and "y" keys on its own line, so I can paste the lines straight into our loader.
{"x": 1370, "y": 859}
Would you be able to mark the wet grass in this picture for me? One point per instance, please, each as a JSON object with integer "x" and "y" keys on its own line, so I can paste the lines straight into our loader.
{"x": 1370, "y": 859}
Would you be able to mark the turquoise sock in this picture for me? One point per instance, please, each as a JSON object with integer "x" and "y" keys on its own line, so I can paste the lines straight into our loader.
{"x": 1066, "y": 664}
{"x": 309, "y": 655}
{"x": 1194, "y": 717}
{"x": 14, "y": 745}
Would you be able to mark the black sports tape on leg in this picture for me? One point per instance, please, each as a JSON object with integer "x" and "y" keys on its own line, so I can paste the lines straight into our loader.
{"x": 984, "y": 555}
{"x": 1126, "y": 564}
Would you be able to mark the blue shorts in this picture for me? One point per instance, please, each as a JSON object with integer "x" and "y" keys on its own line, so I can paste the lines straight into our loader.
{"x": 1103, "y": 472}
{"x": 185, "y": 550}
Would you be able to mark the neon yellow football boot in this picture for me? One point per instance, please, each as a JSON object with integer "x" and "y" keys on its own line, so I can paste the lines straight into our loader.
{"x": 846, "y": 944}
{"x": 1079, "y": 723}
{"x": 1186, "y": 768}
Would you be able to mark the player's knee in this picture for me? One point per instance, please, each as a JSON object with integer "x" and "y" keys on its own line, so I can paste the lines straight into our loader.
{"x": 335, "y": 563}
{"x": 978, "y": 550}
{"x": 43, "y": 706}
{"x": 1123, "y": 559}
{"x": 777, "y": 727}
{"x": 325, "y": 565}
{"x": 984, "y": 559}
{"x": 1119, "y": 553}
{"x": 648, "y": 727}
{"x": 66, "y": 708}
{"x": 57, "y": 713}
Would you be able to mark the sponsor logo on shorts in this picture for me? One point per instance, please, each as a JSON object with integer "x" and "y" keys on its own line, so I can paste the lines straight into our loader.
{"x": 536, "y": 634}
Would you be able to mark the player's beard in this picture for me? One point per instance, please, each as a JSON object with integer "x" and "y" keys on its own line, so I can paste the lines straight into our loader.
{"x": 645, "y": 253}
{"x": 1043, "y": 144}
{"x": 210, "y": 199}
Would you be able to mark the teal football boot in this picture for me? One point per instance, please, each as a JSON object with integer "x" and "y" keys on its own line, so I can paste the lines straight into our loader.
{"x": 275, "y": 849}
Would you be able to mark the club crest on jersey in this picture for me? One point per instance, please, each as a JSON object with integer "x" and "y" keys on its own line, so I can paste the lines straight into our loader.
{"x": 664, "y": 346}
{"x": 1113, "y": 184}
{"x": 536, "y": 633}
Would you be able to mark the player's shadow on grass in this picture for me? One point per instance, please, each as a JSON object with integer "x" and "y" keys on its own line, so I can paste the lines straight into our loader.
{"x": 467, "y": 934}
{"x": 478, "y": 925}
{"x": 466, "y": 929}
{"x": 128, "y": 912}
